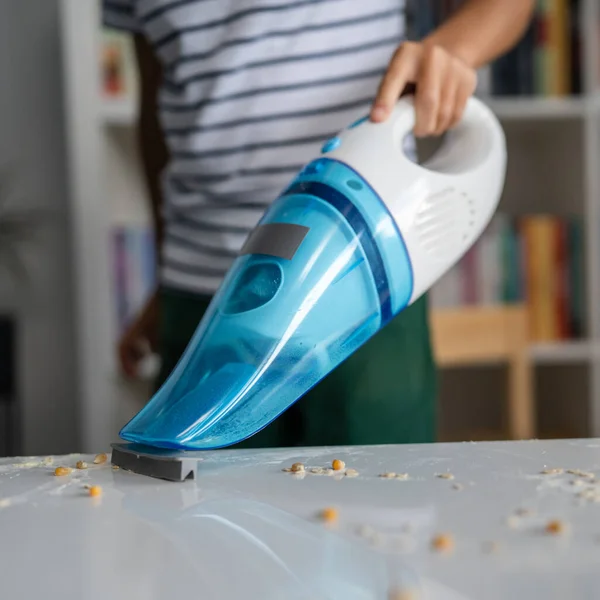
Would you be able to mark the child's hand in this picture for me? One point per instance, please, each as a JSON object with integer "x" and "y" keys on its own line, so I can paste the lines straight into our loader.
{"x": 443, "y": 85}
{"x": 139, "y": 338}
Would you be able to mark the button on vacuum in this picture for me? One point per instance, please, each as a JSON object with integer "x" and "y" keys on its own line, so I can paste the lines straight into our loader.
{"x": 331, "y": 145}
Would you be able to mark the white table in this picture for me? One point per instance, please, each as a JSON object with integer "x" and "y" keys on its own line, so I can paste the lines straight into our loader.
{"x": 247, "y": 530}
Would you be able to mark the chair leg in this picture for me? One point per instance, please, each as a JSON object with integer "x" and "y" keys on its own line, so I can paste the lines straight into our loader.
{"x": 521, "y": 403}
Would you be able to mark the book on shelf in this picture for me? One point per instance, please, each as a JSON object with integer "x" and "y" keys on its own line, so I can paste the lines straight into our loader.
{"x": 134, "y": 270}
{"x": 533, "y": 259}
{"x": 545, "y": 62}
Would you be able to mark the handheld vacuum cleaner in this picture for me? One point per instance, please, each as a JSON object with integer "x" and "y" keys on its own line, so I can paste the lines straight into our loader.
{"x": 360, "y": 234}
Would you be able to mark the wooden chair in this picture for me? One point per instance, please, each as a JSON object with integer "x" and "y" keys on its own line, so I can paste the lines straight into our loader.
{"x": 488, "y": 335}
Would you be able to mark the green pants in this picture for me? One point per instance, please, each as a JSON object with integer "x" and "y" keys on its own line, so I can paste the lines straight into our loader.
{"x": 384, "y": 393}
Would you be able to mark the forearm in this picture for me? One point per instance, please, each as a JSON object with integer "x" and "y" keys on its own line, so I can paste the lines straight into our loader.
{"x": 153, "y": 149}
{"x": 481, "y": 30}
{"x": 154, "y": 158}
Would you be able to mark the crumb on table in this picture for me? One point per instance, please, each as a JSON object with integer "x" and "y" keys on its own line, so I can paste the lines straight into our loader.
{"x": 100, "y": 459}
{"x": 297, "y": 467}
{"x": 351, "y": 473}
{"x": 590, "y": 494}
{"x": 512, "y": 521}
{"x": 557, "y": 471}
{"x": 366, "y": 531}
{"x": 556, "y": 527}
{"x": 81, "y": 465}
{"x": 445, "y": 476}
{"x": 580, "y": 473}
{"x": 443, "y": 542}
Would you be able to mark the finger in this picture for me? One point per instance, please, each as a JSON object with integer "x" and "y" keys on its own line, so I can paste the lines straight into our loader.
{"x": 463, "y": 93}
{"x": 401, "y": 70}
{"x": 128, "y": 366}
{"x": 153, "y": 341}
{"x": 130, "y": 356}
{"x": 446, "y": 110}
{"x": 427, "y": 99}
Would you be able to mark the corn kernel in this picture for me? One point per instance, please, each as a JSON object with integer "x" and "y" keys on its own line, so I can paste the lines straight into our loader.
{"x": 95, "y": 491}
{"x": 329, "y": 515}
{"x": 556, "y": 527}
{"x": 297, "y": 467}
{"x": 100, "y": 459}
{"x": 338, "y": 465}
{"x": 81, "y": 465}
{"x": 61, "y": 471}
{"x": 443, "y": 543}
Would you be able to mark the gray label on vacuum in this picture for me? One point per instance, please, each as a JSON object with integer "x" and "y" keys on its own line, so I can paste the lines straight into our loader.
{"x": 275, "y": 239}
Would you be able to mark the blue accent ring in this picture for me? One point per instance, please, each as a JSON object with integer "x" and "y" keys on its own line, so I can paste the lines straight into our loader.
{"x": 360, "y": 227}
{"x": 359, "y": 122}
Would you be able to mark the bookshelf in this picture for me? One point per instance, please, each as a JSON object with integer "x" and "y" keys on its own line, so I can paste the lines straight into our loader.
{"x": 118, "y": 113}
{"x": 563, "y": 352}
{"x": 554, "y": 153}
{"x": 539, "y": 109}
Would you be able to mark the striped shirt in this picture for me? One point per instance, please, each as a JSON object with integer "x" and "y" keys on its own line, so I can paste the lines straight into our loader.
{"x": 251, "y": 89}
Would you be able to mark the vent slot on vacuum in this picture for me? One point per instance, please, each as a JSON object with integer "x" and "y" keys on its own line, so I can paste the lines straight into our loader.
{"x": 445, "y": 222}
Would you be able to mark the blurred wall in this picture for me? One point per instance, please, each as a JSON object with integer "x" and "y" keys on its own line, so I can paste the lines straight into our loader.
{"x": 32, "y": 141}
